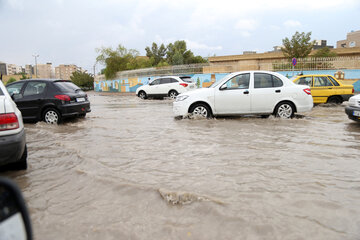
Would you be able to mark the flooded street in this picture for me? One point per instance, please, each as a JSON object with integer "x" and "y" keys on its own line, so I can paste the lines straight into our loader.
{"x": 129, "y": 170}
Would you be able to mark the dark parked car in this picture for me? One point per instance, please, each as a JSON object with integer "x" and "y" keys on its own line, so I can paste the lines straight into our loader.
{"x": 50, "y": 100}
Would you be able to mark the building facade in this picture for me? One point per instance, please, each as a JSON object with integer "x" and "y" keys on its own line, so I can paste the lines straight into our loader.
{"x": 65, "y": 71}
{"x": 352, "y": 40}
{"x": 44, "y": 71}
{"x": 3, "y": 68}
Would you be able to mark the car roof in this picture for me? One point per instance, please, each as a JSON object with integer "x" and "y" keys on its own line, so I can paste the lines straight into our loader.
{"x": 46, "y": 79}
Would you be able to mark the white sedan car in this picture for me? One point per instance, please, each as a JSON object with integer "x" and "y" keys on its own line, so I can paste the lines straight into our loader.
{"x": 243, "y": 93}
{"x": 169, "y": 86}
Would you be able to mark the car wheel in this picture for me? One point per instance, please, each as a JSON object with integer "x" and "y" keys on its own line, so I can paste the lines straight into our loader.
{"x": 284, "y": 110}
{"x": 142, "y": 95}
{"x": 200, "y": 111}
{"x": 22, "y": 163}
{"x": 173, "y": 94}
{"x": 334, "y": 99}
{"x": 52, "y": 116}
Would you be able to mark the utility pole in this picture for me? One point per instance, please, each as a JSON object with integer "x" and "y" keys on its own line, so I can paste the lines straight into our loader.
{"x": 36, "y": 56}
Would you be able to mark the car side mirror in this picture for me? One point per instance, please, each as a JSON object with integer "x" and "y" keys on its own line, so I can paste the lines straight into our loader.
{"x": 223, "y": 87}
{"x": 14, "y": 217}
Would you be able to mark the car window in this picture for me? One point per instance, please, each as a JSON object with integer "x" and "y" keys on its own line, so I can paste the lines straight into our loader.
{"x": 238, "y": 82}
{"x": 34, "y": 88}
{"x": 304, "y": 81}
{"x": 322, "y": 82}
{"x": 172, "y": 80}
{"x": 186, "y": 79}
{"x": 262, "y": 80}
{"x": 333, "y": 81}
{"x": 164, "y": 80}
{"x": 15, "y": 88}
{"x": 66, "y": 86}
{"x": 1, "y": 92}
{"x": 155, "y": 82}
{"x": 277, "y": 82}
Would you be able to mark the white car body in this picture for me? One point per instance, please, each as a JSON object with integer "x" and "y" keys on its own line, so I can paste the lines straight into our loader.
{"x": 12, "y": 133}
{"x": 247, "y": 99}
{"x": 168, "y": 86}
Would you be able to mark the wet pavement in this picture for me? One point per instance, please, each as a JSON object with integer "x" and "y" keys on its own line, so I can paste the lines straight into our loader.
{"x": 129, "y": 170}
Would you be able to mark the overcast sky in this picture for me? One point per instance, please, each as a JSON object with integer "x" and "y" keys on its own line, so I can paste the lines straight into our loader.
{"x": 68, "y": 31}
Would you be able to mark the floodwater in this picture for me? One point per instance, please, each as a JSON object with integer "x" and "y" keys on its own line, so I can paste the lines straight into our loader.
{"x": 129, "y": 170}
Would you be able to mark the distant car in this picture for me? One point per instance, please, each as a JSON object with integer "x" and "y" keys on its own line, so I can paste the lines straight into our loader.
{"x": 325, "y": 88}
{"x": 353, "y": 109}
{"x": 12, "y": 134}
{"x": 243, "y": 93}
{"x": 169, "y": 86}
{"x": 50, "y": 100}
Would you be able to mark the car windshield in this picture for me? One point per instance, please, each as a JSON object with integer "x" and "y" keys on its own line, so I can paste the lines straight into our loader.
{"x": 218, "y": 82}
{"x": 67, "y": 86}
{"x": 294, "y": 77}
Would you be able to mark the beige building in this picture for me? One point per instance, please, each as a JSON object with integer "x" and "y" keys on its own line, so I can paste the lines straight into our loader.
{"x": 13, "y": 69}
{"x": 64, "y": 71}
{"x": 352, "y": 40}
{"x": 43, "y": 71}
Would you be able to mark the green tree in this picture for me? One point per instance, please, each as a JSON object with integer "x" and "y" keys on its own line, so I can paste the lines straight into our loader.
{"x": 299, "y": 46}
{"x": 84, "y": 80}
{"x": 177, "y": 53}
{"x": 10, "y": 80}
{"x": 156, "y": 53}
{"x": 115, "y": 60}
{"x": 23, "y": 76}
{"x": 324, "y": 52}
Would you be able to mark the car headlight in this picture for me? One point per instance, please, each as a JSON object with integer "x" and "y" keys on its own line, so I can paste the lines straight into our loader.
{"x": 181, "y": 98}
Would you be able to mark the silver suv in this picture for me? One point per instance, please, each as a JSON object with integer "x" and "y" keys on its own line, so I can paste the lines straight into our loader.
{"x": 13, "y": 151}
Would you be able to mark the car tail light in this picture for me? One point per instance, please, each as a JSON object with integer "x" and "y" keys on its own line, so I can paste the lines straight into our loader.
{"x": 353, "y": 90}
{"x": 184, "y": 84}
{"x": 8, "y": 121}
{"x": 307, "y": 91}
{"x": 63, "y": 97}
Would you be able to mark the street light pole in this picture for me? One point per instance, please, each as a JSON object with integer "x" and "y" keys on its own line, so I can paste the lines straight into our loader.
{"x": 35, "y": 56}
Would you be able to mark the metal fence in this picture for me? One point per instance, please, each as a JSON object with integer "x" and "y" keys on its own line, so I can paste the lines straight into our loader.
{"x": 303, "y": 64}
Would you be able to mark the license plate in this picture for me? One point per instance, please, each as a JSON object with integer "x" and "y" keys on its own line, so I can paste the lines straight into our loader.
{"x": 356, "y": 113}
{"x": 191, "y": 86}
{"x": 80, "y": 99}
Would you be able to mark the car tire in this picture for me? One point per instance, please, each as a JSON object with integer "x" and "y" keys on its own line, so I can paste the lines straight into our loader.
{"x": 335, "y": 100}
{"x": 284, "y": 110}
{"x": 172, "y": 94}
{"x": 142, "y": 95}
{"x": 22, "y": 163}
{"x": 200, "y": 110}
{"x": 51, "y": 116}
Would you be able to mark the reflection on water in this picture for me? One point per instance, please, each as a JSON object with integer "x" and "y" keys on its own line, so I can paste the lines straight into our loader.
{"x": 129, "y": 170}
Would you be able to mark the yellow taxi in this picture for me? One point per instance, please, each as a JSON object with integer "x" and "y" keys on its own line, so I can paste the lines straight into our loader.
{"x": 325, "y": 88}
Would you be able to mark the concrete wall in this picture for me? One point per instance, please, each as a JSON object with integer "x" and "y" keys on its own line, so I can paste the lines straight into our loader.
{"x": 352, "y": 76}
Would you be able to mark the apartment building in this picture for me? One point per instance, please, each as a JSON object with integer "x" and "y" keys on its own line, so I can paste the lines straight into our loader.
{"x": 13, "y": 69}
{"x": 44, "y": 71}
{"x": 64, "y": 71}
{"x": 29, "y": 70}
{"x": 352, "y": 40}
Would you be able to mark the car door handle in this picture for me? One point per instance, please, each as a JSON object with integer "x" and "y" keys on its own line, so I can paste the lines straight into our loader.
{"x": 330, "y": 88}
{"x": 246, "y": 92}
{"x": 277, "y": 91}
